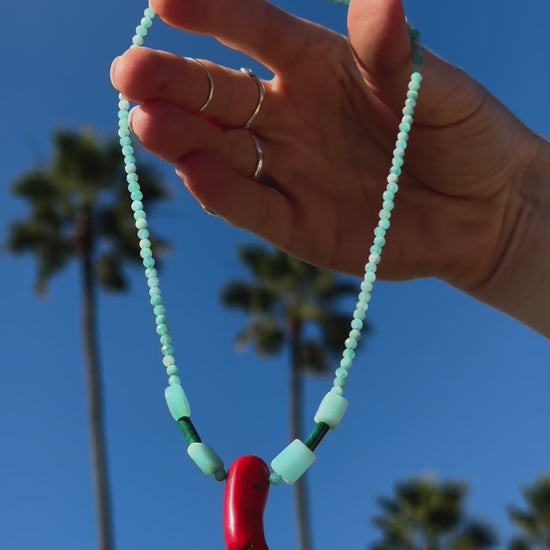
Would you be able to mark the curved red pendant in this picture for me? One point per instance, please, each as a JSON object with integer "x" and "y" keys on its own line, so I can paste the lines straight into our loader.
{"x": 244, "y": 501}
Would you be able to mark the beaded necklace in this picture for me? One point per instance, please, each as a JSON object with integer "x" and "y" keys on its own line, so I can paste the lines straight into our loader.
{"x": 248, "y": 478}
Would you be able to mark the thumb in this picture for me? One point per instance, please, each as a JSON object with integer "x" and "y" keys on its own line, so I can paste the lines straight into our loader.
{"x": 380, "y": 41}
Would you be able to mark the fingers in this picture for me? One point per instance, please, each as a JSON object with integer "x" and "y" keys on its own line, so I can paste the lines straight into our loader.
{"x": 240, "y": 201}
{"x": 143, "y": 75}
{"x": 380, "y": 41}
{"x": 172, "y": 133}
{"x": 254, "y": 27}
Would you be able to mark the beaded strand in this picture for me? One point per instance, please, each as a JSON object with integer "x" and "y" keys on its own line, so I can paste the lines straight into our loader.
{"x": 296, "y": 458}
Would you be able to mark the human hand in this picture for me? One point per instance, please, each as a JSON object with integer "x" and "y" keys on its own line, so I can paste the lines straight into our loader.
{"x": 327, "y": 128}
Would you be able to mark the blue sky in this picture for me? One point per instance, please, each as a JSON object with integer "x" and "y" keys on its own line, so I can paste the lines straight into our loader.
{"x": 446, "y": 385}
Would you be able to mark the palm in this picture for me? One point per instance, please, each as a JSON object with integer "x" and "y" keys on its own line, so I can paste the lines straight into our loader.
{"x": 285, "y": 299}
{"x": 534, "y": 522}
{"x": 429, "y": 515}
{"x": 79, "y": 210}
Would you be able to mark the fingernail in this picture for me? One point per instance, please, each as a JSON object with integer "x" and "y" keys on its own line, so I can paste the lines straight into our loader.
{"x": 130, "y": 116}
{"x": 179, "y": 173}
{"x": 113, "y": 66}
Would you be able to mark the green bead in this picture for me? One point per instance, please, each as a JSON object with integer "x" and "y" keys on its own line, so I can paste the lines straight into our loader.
{"x": 136, "y": 195}
{"x": 174, "y": 380}
{"x": 388, "y": 205}
{"x": 155, "y": 300}
{"x": 177, "y": 401}
{"x": 168, "y": 361}
{"x": 160, "y": 319}
{"x": 357, "y": 324}
{"x": 141, "y": 31}
{"x": 384, "y": 224}
{"x": 172, "y": 370}
{"x": 148, "y": 262}
{"x": 379, "y": 231}
{"x": 350, "y": 343}
{"x": 293, "y": 461}
{"x": 316, "y": 435}
{"x": 331, "y": 410}
{"x": 205, "y": 458}
{"x": 166, "y": 339}
{"x": 141, "y": 223}
{"x": 143, "y": 234}
{"x": 137, "y": 40}
{"x": 392, "y": 187}
{"x": 395, "y": 170}
{"x": 345, "y": 363}
{"x": 188, "y": 430}
{"x": 159, "y": 310}
{"x": 349, "y": 353}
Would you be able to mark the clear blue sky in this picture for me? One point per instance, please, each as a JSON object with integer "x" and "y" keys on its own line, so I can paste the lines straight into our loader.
{"x": 446, "y": 386}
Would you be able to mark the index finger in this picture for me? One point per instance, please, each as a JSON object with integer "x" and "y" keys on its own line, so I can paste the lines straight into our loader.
{"x": 254, "y": 27}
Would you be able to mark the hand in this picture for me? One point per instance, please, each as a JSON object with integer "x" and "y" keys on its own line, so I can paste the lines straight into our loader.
{"x": 327, "y": 128}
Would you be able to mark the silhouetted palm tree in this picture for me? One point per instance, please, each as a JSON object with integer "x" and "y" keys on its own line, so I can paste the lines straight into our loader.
{"x": 425, "y": 514}
{"x": 294, "y": 306}
{"x": 79, "y": 209}
{"x": 534, "y": 522}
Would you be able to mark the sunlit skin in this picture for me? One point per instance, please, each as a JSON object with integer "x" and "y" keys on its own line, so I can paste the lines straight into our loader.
{"x": 328, "y": 126}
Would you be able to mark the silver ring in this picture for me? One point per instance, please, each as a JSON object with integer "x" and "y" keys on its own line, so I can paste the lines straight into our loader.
{"x": 260, "y": 158}
{"x": 261, "y": 95}
{"x": 210, "y": 84}
{"x": 208, "y": 211}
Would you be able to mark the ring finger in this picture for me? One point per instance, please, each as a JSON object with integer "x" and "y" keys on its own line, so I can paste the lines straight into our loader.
{"x": 144, "y": 75}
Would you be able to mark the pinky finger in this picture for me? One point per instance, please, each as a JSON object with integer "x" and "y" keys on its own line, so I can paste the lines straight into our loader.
{"x": 240, "y": 201}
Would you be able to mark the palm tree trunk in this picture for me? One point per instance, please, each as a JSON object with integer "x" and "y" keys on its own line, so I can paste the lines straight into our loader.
{"x": 94, "y": 387}
{"x": 300, "y": 492}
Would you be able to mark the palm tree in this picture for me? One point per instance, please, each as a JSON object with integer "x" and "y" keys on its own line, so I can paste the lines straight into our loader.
{"x": 294, "y": 306}
{"x": 425, "y": 514}
{"x": 79, "y": 209}
{"x": 534, "y": 522}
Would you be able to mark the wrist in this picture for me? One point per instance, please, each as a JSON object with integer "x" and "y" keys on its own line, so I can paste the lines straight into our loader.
{"x": 518, "y": 282}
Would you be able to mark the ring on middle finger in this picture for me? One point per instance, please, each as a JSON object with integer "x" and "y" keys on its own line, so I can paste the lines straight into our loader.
{"x": 261, "y": 95}
{"x": 210, "y": 85}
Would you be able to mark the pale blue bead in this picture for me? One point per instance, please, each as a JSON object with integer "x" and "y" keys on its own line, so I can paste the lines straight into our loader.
{"x": 339, "y": 382}
{"x": 162, "y": 330}
{"x": 155, "y": 291}
{"x": 397, "y": 161}
{"x": 174, "y": 380}
{"x": 345, "y": 363}
{"x": 160, "y": 319}
{"x": 361, "y": 306}
{"x": 167, "y": 350}
{"x": 392, "y": 187}
{"x": 374, "y": 258}
{"x": 384, "y": 214}
{"x": 136, "y": 195}
{"x": 407, "y": 119}
{"x": 166, "y": 339}
{"x": 148, "y": 262}
{"x": 126, "y": 140}
{"x": 384, "y": 224}
{"x": 357, "y": 324}
{"x": 364, "y": 296}
{"x": 412, "y": 95}
{"x": 401, "y": 144}
{"x": 172, "y": 370}
{"x": 416, "y": 77}
{"x": 337, "y": 390}
{"x": 130, "y": 159}
{"x": 342, "y": 372}
{"x": 379, "y": 231}
{"x": 123, "y": 123}
{"x": 159, "y": 310}
{"x": 123, "y": 132}
{"x": 408, "y": 111}
{"x": 153, "y": 282}
{"x": 140, "y": 214}
{"x": 149, "y": 13}
{"x": 145, "y": 253}
{"x": 398, "y": 152}
{"x": 370, "y": 277}
{"x": 144, "y": 243}
{"x": 130, "y": 168}
{"x": 395, "y": 170}
{"x": 141, "y": 223}
{"x": 274, "y": 478}
{"x": 137, "y": 40}
{"x": 123, "y": 113}
{"x": 388, "y": 195}
{"x": 143, "y": 234}
{"x": 123, "y": 104}
{"x": 350, "y": 343}
{"x": 366, "y": 286}
{"x": 388, "y": 205}
{"x": 293, "y": 461}
{"x": 136, "y": 205}
{"x": 392, "y": 178}
{"x": 177, "y": 402}
{"x": 403, "y": 136}
{"x": 349, "y": 353}
{"x": 168, "y": 360}
{"x": 357, "y": 314}
{"x": 331, "y": 410}
{"x": 414, "y": 86}
{"x": 405, "y": 127}
{"x": 141, "y": 31}
{"x": 155, "y": 300}
{"x": 132, "y": 179}
{"x": 146, "y": 22}
{"x": 205, "y": 458}
{"x": 379, "y": 241}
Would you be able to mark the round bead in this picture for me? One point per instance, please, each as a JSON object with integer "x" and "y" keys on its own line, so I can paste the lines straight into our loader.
{"x": 349, "y": 353}
{"x": 398, "y": 152}
{"x": 167, "y": 350}
{"x": 141, "y": 223}
{"x": 395, "y": 170}
{"x": 350, "y": 343}
{"x": 405, "y": 127}
{"x": 384, "y": 224}
{"x": 357, "y": 324}
{"x": 341, "y": 372}
{"x": 346, "y": 363}
{"x": 403, "y": 136}
{"x": 379, "y": 241}
{"x": 174, "y": 380}
{"x": 388, "y": 205}
{"x": 397, "y": 161}
{"x": 162, "y": 329}
{"x": 374, "y": 258}
{"x": 166, "y": 339}
{"x": 339, "y": 382}
{"x": 155, "y": 300}
{"x": 392, "y": 187}
{"x": 159, "y": 310}
{"x": 145, "y": 253}
{"x": 161, "y": 319}
{"x": 136, "y": 195}
{"x": 136, "y": 206}
{"x": 168, "y": 360}
{"x": 354, "y": 333}
{"x": 172, "y": 370}
{"x": 358, "y": 314}
{"x": 379, "y": 231}
{"x": 392, "y": 178}
{"x": 150, "y": 272}
{"x": 148, "y": 262}
{"x": 146, "y": 22}
{"x": 144, "y": 243}
{"x": 149, "y": 13}
{"x": 407, "y": 119}
{"x": 275, "y": 478}
{"x": 141, "y": 31}
{"x": 370, "y": 276}
{"x": 154, "y": 291}
{"x": 124, "y": 104}
{"x": 137, "y": 40}
{"x": 143, "y": 234}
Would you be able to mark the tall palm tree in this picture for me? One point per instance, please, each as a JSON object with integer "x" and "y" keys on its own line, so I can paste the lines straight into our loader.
{"x": 79, "y": 209}
{"x": 425, "y": 514}
{"x": 294, "y": 306}
{"x": 534, "y": 522}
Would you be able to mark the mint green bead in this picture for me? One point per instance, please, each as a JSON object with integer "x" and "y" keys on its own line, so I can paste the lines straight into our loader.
{"x": 409, "y": 102}
{"x": 392, "y": 178}
{"x": 136, "y": 205}
{"x": 403, "y": 136}
{"x": 349, "y": 353}
{"x": 149, "y": 13}
{"x": 174, "y": 380}
{"x": 130, "y": 159}
{"x": 145, "y": 253}
{"x": 342, "y": 372}
{"x": 401, "y": 144}
{"x": 166, "y": 339}
{"x": 141, "y": 31}
{"x": 137, "y": 40}
{"x": 350, "y": 343}
{"x": 148, "y": 262}
{"x": 412, "y": 95}
{"x": 154, "y": 291}
{"x": 167, "y": 349}
{"x": 366, "y": 286}
{"x": 130, "y": 168}
{"x": 405, "y": 127}
{"x": 354, "y": 333}
{"x": 177, "y": 401}
{"x": 162, "y": 329}
{"x": 384, "y": 214}
{"x": 161, "y": 319}
{"x": 123, "y": 132}
{"x": 408, "y": 111}
{"x": 364, "y": 296}
{"x": 379, "y": 241}
{"x": 407, "y": 119}
{"x": 397, "y": 161}
{"x": 274, "y": 478}
{"x": 205, "y": 458}
{"x": 375, "y": 249}
{"x": 168, "y": 360}
{"x": 388, "y": 205}
{"x": 395, "y": 170}
{"x": 141, "y": 223}
{"x": 146, "y": 22}
{"x": 126, "y": 140}
{"x": 293, "y": 461}
{"x": 132, "y": 180}
{"x": 398, "y": 152}
{"x": 379, "y": 231}
{"x": 159, "y": 310}
{"x": 140, "y": 214}
{"x": 358, "y": 314}
{"x": 136, "y": 195}
{"x": 357, "y": 324}
{"x": 331, "y": 410}
{"x": 414, "y": 86}
{"x": 345, "y": 363}
{"x": 337, "y": 390}
{"x": 392, "y": 187}
{"x": 384, "y": 224}
{"x": 339, "y": 382}
{"x": 416, "y": 77}
{"x": 150, "y": 271}
{"x": 123, "y": 105}
{"x": 143, "y": 234}
{"x": 172, "y": 370}
{"x": 123, "y": 113}
{"x": 155, "y": 300}
{"x": 153, "y": 282}
{"x": 144, "y": 243}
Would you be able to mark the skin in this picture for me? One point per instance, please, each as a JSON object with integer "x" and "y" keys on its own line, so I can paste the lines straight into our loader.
{"x": 474, "y": 196}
